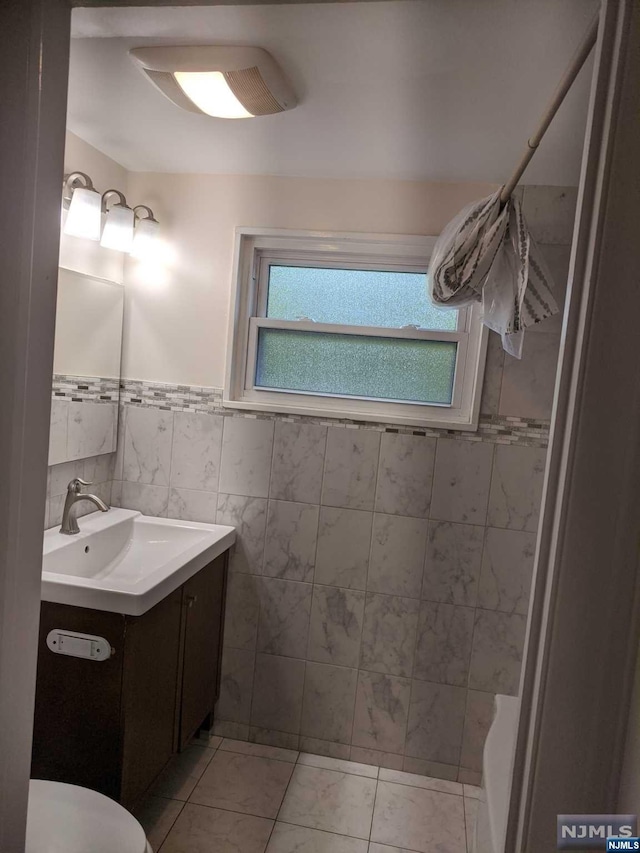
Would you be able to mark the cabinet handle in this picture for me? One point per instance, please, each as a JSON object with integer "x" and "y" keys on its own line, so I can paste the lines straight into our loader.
{"x": 191, "y": 600}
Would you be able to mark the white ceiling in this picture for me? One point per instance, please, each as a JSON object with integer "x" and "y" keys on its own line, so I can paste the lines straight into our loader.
{"x": 417, "y": 89}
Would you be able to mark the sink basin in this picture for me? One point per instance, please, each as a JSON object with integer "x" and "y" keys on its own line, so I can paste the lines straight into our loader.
{"x": 126, "y": 562}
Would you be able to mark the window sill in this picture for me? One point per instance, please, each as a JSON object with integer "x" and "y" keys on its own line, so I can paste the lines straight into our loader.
{"x": 372, "y": 416}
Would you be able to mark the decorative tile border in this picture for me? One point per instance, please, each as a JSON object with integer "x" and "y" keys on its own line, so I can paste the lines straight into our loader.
{"x": 496, "y": 429}
{"x": 80, "y": 389}
{"x": 173, "y": 398}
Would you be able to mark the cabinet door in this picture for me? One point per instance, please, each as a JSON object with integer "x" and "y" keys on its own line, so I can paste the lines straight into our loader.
{"x": 203, "y": 603}
{"x": 150, "y": 682}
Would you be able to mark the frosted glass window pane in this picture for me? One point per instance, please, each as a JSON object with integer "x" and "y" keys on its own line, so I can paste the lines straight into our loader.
{"x": 355, "y": 298}
{"x": 356, "y": 365}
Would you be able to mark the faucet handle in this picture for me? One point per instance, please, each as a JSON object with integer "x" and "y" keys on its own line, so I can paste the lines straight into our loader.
{"x": 76, "y": 484}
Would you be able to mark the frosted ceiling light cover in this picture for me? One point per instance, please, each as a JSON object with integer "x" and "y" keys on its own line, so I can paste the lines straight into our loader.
{"x": 220, "y": 81}
{"x": 145, "y": 240}
{"x": 118, "y": 229}
{"x": 211, "y": 93}
{"x": 83, "y": 219}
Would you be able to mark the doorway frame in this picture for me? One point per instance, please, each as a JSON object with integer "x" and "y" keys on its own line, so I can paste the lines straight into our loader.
{"x": 33, "y": 93}
{"x": 584, "y": 619}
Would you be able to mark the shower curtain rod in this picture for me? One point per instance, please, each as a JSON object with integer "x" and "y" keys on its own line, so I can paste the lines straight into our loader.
{"x": 565, "y": 84}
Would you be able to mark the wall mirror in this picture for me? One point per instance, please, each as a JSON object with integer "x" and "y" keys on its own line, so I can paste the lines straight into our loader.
{"x": 86, "y": 367}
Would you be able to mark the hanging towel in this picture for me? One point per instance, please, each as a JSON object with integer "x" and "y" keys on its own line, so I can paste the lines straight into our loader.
{"x": 486, "y": 254}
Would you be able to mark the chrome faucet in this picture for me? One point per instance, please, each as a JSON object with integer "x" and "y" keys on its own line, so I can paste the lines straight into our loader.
{"x": 74, "y": 495}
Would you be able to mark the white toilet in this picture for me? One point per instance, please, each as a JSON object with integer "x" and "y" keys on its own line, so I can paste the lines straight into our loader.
{"x": 68, "y": 819}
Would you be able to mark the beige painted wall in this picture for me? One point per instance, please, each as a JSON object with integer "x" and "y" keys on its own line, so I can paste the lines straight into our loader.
{"x": 176, "y": 309}
{"x": 79, "y": 156}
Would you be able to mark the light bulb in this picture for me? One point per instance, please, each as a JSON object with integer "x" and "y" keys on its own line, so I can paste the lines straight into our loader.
{"x": 118, "y": 229}
{"x": 210, "y": 92}
{"x": 83, "y": 218}
{"x": 145, "y": 238}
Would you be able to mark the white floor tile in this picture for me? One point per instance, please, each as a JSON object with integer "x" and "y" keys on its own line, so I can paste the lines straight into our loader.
{"x": 470, "y": 815}
{"x": 157, "y": 815}
{"x": 201, "y": 830}
{"x": 418, "y": 781}
{"x": 244, "y": 783}
{"x": 181, "y": 775}
{"x": 339, "y": 764}
{"x": 418, "y": 819}
{"x": 328, "y": 800}
{"x": 261, "y": 750}
{"x": 287, "y": 838}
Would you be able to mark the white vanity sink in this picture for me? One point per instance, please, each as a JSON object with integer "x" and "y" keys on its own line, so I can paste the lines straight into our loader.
{"x": 125, "y": 562}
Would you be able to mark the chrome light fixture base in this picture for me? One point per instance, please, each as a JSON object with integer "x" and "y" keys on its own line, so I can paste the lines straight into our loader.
{"x": 82, "y": 202}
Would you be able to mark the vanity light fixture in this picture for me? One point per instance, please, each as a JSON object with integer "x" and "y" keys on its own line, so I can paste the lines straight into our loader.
{"x": 118, "y": 228}
{"x": 133, "y": 230}
{"x": 218, "y": 80}
{"x": 84, "y": 206}
{"x": 145, "y": 238}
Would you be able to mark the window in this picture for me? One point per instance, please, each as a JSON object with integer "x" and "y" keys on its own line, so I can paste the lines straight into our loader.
{"x": 341, "y": 325}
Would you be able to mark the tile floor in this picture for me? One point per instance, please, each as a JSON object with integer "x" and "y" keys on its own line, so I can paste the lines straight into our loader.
{"x": 234, "y": 797}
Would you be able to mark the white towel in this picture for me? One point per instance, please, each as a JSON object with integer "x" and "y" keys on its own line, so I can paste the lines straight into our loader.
{"x": 486, "y": 254}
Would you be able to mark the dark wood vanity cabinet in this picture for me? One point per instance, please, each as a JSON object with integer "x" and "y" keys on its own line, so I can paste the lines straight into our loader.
{"x": 112, "y": 725}
{"x": 203, "y": 599}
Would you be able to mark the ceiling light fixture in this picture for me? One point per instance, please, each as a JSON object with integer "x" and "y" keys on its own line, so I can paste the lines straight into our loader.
{"x": 145, "y": 238}
{"x": 118, "y": 227}
{"x": 219, "y": 81}
{"x": 84, "y": 206}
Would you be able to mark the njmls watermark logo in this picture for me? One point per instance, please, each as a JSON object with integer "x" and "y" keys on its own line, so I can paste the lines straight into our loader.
{"x": 617, "y": 843}
{"x": 591, "y": 831}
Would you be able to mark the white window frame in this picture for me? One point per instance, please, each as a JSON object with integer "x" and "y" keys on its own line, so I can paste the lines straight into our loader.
{"x": 257, "y": 248}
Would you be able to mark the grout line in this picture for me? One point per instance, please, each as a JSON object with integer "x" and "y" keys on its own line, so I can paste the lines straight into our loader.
{"x": 423, "y": 787}
{"x": 433, "y": 478}
{"x": 328, "y": 832}
{"x": 259, "y": 757}
{"x": 377, "y": 482}
{"x": 182, "y": 805}
{"x": 375, "y": 801}
{"x": 337, "y": 769}
{"x": 324, "y": 468}
{"x": 464, "y": 821}
{"x": 485, "y": 523}
{"x": 173, "y": 439}
{"x": 227, "y": 808}
{"x": 284, "y": 797}
{"x": 359, "y": 667}
{"x": 259, "y": 585}
{"x": 306, "y": 657}
{"x": 430, "y": 522}
{"x": 273, "y": 456}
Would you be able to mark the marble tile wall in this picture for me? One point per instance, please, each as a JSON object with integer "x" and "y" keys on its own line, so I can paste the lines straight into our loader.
{"x": 378, "y": 591}
{"x": 81, "y": 429}
{"x": 379, "y": 586}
